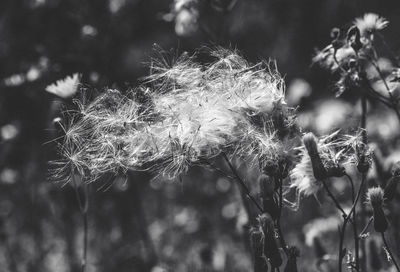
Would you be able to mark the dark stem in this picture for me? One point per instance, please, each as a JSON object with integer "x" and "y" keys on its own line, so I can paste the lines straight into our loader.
{"x": 389, "y": 251}
{"x": 355, "y": 231}
{"x": 366, "y": 226}
{"x": 341, "y": 241}
{"x": 242, "y": 183}
{"x": 83, "y": 207}
{"x": 338, "y": 206}
{"x": 362, "y": 189}
{"x": 278, "y": 221}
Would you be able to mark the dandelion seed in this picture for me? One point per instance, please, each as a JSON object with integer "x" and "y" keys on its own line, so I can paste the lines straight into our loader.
{"x": 66, "y": 87}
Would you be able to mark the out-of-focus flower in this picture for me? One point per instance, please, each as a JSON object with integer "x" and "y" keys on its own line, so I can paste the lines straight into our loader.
{"x": 370, "y": 23}
{"x": 66, "y": 87}
{"x": 186, "y": 22}
{"x": 8, "y": 176}
{"x": 298, "y": 89}
{"x": 319, "y": 228}
{"x": 9, "y": 132}
{"x": 332, "y": 59}
{"x": 185, "y": 13}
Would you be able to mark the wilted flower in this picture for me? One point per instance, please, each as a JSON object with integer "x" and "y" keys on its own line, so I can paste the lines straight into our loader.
{"x": 370, "y": 22}
{"x": 375, "y": 198}
{"x": 66, "y": 87}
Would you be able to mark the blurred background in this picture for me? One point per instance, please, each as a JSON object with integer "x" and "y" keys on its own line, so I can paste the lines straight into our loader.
{"x": 138, "y": 223}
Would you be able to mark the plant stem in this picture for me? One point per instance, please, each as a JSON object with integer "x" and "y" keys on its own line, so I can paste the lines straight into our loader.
{"x": 338, "y": 206}
{"x": 278, "y": 221}
{"x": 242, "y": 183}
{"x": 83, "y": 207}
{"x": 366, "y": 226}
{"x": 362, "y": 189}
{"x": 355, "y": 231}
{"x": 389, "y": 251}
{"x": 341, "y": 241}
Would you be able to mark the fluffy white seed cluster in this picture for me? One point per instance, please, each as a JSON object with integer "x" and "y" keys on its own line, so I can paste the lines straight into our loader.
{"x": 334, "y": 150}
{"x": 187, "y": 113}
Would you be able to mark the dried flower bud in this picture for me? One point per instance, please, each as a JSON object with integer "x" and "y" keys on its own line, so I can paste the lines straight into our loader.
{"x": 257, "y": 239}
{"x": 291, "y": 265}
{"x": 270, "y": 205}
{"x": 267, "y": 185}
{"x": 364, "y": 159}
{"x": 271, "y": 249}
{"x": 310, "y": 143}
{"x": 375, "y": 199}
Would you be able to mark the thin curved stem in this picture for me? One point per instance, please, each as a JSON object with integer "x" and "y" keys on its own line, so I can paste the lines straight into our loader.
{"x": 355, "y": 231}
{"x": 335, "y": 201}
{"x": 242, "y": 183}
{"x": 366, "y": 227}
{"x": 390, "y": 252}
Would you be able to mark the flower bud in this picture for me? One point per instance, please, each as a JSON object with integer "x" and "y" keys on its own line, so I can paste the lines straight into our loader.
{"x": 375, "y": 199}
{"x": 310, "y": 143}
{"x": 291, "y": 265}
{"x": 257, "y": 238}
{"x": 270, "y": 205}
{"x": 271, "y": 249}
